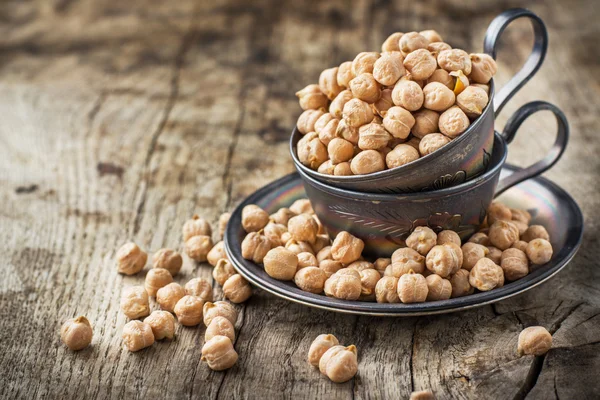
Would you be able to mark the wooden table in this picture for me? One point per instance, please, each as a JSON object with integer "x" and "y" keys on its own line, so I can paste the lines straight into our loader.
{"x": 119, "y": 120}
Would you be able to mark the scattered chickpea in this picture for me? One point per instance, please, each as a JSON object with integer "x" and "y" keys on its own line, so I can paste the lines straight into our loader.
{"x": 162, "y": 324}
{"x": 199, "y": 287}
{"x": 535, "y": 232}
{"x": 137, "y": 335}
{"x": 319, "y": 346}
{"x": 339, "y": 363}
{"x": 311, "y": 279}
{"x": 432, "y": 142}
{"x": 254, "y": 218}
{"x": 519, "y": 244}
{"x": 437, "y": 97}
{"x": 219, "y": 353}
{"x": 76, "y": 333}
{"x": 472, "y": 101}
{"x": 197, "y": 247}
{"x": 344, "y": 284}
{"x": 480, "y": 238}
{"x": 473, "y": 252}
{"x": 282, "y": 216}
{"x": 422, "y": 239}
{"x": 298, "y": 247}
{"x": 539, "y": 251}
{"x": 329, "y": 131}
{"x": 189, "y": 310}
{"x": 281, "y": 263}
{"x": 422, "y": 395}
{"x": 356, "y": 113}
{"x": 412, "y": 41}
{"x": 330, "y": 267}
{"x": 442, "y": 76}
{"x": 372, "y": 137}
{"x": 392, "y": 43}
{"x": 453, "y": 122}
{"x": 398, "y": 122}
{"x": 486, "y": 275}
{"x": 328, "y": 83}
{"x": 311, "y": 97}
{"x": 381, "y": 264}
{"x": 389, "y": 68}
{"x": 219, "y": 309}
{"x": 438, "y": 288}
{"x": 236, "y": 289}
{"x": 216, "y": 253}
{"x": 494, "y": 254}
{"x": 306, "y": 123}
{"x": 219, "y": 326}
{"x": 442, "y": 260}
{"x": 448, "y": 236}
{"x": 196, "y": 226}
{"x": 420, "y": 63}
{"x": 368, "y": 280}
{"x": 367, "y": 162}
{"x": 345, "y": 74}
{"x": 460, "y": 284}
{"x": 503, "y": 234}
{"x": 168, "y": 296}
{"x": 412, "y": 288}
{"x": 364, "y": 62}
{"x": 534, "y": 340}
{"x": 346, "y": 248}
{"x": 155, "y": 279}
{"x": 167, "y": 259}
{"x": 407, "y": 94}
{"x": 365, "y": 88}
{"x": 386, "y": 290}
{"x": 426, "y": 122}
{"x": 255, "y": 246}
{"x": 337, "y": 105}
{"x": 455, "y": 60}
{"x": 483, "y": 67}
{"x": 131, "y": 259}
{"x": 222, "y": 271}
{"x": 134, "y": 302}
{"x": 514, "y": 263}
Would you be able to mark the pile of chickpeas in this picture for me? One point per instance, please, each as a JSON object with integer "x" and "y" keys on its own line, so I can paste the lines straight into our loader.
{"x": 384, "y": 110}
{"x": 293, "y": 245}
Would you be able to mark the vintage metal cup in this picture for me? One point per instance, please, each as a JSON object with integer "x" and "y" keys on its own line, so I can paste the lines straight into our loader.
{"x": 465, "y": 157}
{"x": 383, "y": 221}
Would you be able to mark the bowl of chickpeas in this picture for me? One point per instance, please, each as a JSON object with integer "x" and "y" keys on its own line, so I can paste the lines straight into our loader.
{"x": 417, "y": 116}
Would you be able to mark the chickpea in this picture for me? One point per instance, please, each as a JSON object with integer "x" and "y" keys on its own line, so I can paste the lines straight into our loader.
{"x": 386, "y": 290}
{"x": 436, "y": 47}
{"x": 346, "y": 132}
{"x": 298, "y": 247}
{"x": 535, "y": 232}
{"x": 408, "y": 94}
{"x": 273, "y": 232}
{"x": 389, "y": 68}
{"x": 420, "y": 63}
{"x": 356, "y": 113}
{"x": 472, "y": 252}
{"x": 254, "y": 218}
{"x": 448, "y": 236}
{"x": 155, "y": 279}
{"x": 398, "y": 122}
{"x": 281, "y": 263}
{"x": 399, "y": 268}
{"x": 306, "y": 121}
{"x": 311, "y": 151}
{"x": 237, "y": 289}
{"x": 302, "y": 206}
{"x": 167, "y": 259}
{"x": 431, "y": 35}
{"x": 131, "y": 259}
{"x": 199, "y": 287}
{"x": 461, "y": 82}
{"x": 218, "y": 252}
{"x": 311, "y": 97}
{"x": 432, "y": 142}
{"x": 137, "y": 335}
{"x": 392, "y": 43}
{"x": 322, "y": 241}
{"x": 76, "y": 333}
{"x": 402, "y": 154}
{"x": 368, "y": 280}
{"x": 405, "y": 254}
{"x": 306, "y": 259}
{"x": 319, "y": 346}
{"x": 339, "y": 363}
{"x": 472, "y": 101}
{"x": 381, "y": 106}
{"x": 483, "y": 68}
{"x": 219, "y": 353}
{"x": 494, "y": 254}
{"x": 437, "y": 97}
{"x": 422, "y": 395}
{"x": 322, "y": 122}
{"x": 486, "y": 275}
{"x": 534, "y": 340}
{"x": 329, "y": 131}
{"x": 412, "y": 41}
{"x": 426, "y": 122}
{"x": 340, "y": 150}
{"x": 455, "y": 60}
{"x": 346, "y": 248}
{"x": 364, "y": 62}
{"x": 328, "y": 83}
{"x": 412, "y": 288}
{"x": 480, "y": 238}
{"x": 337, "y": 105}
{"x": 539, "y": 251}
{"x": 168, "y": 296}
{"x": 381, "y": 264}
{"x": 311, "y": 279}
{"x": 189, "y": 310}
{"x": 520, "y": 215}
{"x": 503, "y": 234}
{"x": 422, "y": 239}
{"x": 345, "y": 74}
{"x": 219, "y": 309}
{"x": 324, "y": 254}
{"x": 365, "y": 88}
{"x": 255, "y": 246}
{"x": 372, "y": 137}
{"x": 134, "y": 302}
{"x": 497, "y": 212}
{"x": 438, "y": 288}
{"x": 514, "y": 263}
{"x": 330, "y": 267}
{"x": 453, "y": 122}
{"x": 162, "y": 324}
{"x": 196, "y": 226}
{"x": 219, "y": 326}
{"x": 344, "y": 284}
{"x": 519, "y": 244}
{"x": 303, "y": 227}
{"x": 342, "y": 169}
{"x": 222, "y": 271}
{"x": 460, "y": 284}
{"x": 414, "y": 142}
{"x": 367, "y": 162}
{"x": 442, "y": 260}
{"x": 441, "y": 76}
{"x": 197, "y": 247}
{"x": 282, "y": 216}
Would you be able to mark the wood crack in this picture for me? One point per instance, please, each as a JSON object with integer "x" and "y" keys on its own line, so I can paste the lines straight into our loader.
{"x": 412, "y": 358}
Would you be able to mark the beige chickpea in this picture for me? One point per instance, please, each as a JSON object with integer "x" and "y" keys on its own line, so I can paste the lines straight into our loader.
{"x": 437, "y": 97}
{"x": 407, "y": 94}
{"x": 196, "y": 226}
{"x": 402, "y": 154}
{"x": 422, "y": 395}
{"x": 364, "y": 62}
{"x": 412, "y": 288}
{"x": 356, "y": 113}
{"x": 392, "y": 43}
{"x": 199, "y": 287}
{"x": 480, "y": 238}
{"x": 398, "y": 122}
{"x": 219, "y": 309}
{"x": 368, "y": 280}
{"x": 389, "y": 68}
{"x": 167, "y": 259}
{"x": 306, "y": 120}
{"x": 432, "y": 142}
{"x": 346, "y": 132}
{"x": 405, "y": 254}
{"x": 237, "y": 289}
{"x": 167, "y": 296}
{"x": 285, "y": 237}
{"x": 494, "y": 254}
{"x": 162, "y": 324}
{"x": 485, "y": 88}
{"x": 399, "y": 268}
{"x": 273, "y": 231}
{"x": 322, "y": 241}
{"x": 497, "y": 212}
{"x": 303, "y": 227}
{"x": 311, "y": 97}
{"x": 372, "y": 137}
{"x": 197, "y": 247}
{"x": 459, "y": 254}
{"x": 431, "y": 35}
{"x": 367, "y": 162}
{"x": 345, "y": 74}
{"x": 311, "y": 151}
{"x": 281, "y": 263}
{"x": 302, "y": 206}
{"x": 137, "y": 335}
{"x": 339, "y": 363}
{"x": 298, "y": 247}
{"x": 420, "y": 63}
{"x": 386, "y": 290}
{"x": 255, "y": 246}
{"x": 461, "y": 82}
{"x": 322, "y": 122}
{"x": 219, "y": 326}
{"x": 422, "y": 239}
{"x": 329, "y": 131}
{"x": 282, "y": 216}
{"x": 441, "y": 76}
{"x": 460, "y": 284}
{"x": 503, "y": 234}
{"x": 520, "y": 215}
{"x": 337, "y": 105}
{"x": 534, "y": 340}
{"x": 448, "y": 236}
{"x": 324, "y": 254}
{"x": 306, "y": 259}
{"x": 514, "y": 263}
{"x": 254, "y": 218}
{"x": 319, "y": 346}
{"x": 328, "y": 83}
{"x": 342, "y": 169}
{"x": 381, "y": 264}
{"x": 155, "y": 279}
{"x": 454, "y": 60}
{"x": 381, "y": 106}
{"x": 217, "y": 252}
{"x": 486, "y": 275}
{"x": 519, "y": 244}
{"x": 219, "y": 353}
{"x": 426, "y": 122}
{"x": 414, "y": 142}
{"x": 442, "y": 260}
{"x": 535, "y": 232}
{"x": 472, "y": 252}
{"x": 472, "y": 101}
{"x": 130, "y": 259}
{"x": 436, "y": 47}
{"x": 344, "y": 284}
{"x": 189, "y": 310}
{"x": 453, "y": 122}
{"x": 339, "y": 150}
{"x": 346, "y": 248}
{"x": 412, "y": 41}
{"x": 483, "y": 67}
{"x": 438, "y": 288}
{"x": 365, "y": 88}
{"x": 311, "y": 279}
{"x": 76, "y": 333}
{"x": 539, "y": 251}
{"x": 330, "y": 267}
{"x": 134, "y": 302}
{"x": 222, "y": 271}
{"x": 223, "y": 220}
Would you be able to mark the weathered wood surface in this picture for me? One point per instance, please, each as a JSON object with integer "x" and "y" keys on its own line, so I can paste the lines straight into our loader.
{"x": 121, "y": 119}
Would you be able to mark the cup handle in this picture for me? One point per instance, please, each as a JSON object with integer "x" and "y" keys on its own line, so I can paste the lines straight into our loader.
{"x": 555, "y": 153}
{"x": 534, "y": 61}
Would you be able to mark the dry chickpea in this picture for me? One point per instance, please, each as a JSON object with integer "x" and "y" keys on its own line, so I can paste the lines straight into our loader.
{"x": 472, "y": 252}
{"x": 282, "y": 216}
{"x": 460, "y": 283}
{"x": 346, "y": 248}
{"x": 539, "y": 251}
{"x": 365, "y": 88}
{"x": 442, "y": 76}
{"x": 322, "y": 122}
{"x": 436, "y": 47}
{"x": 454, "y": 60}
{"x": 402, "y": 154}
{"x": 199, "y": 287}
{"x": 237, "y": 289}
{"x": 412, "y": 288}
{"x": 329, "y": 131}
{"x": 319, "y": 346}
{"x": 337, "y": 105}
{"x": 392, "y": 43}
{"x": 408, "y": 94}
{"x": 197, "y": 247}
{"x": 162, "y": 324}
{"x": 339, "y": 363}
{"x": 255, "y": 246}
{"x": 503, "y": 234}
{"x": 497, "y": 212}
{"x": 453, "y": 122}
{"x": 356, "y": 113}
{"x": 303, "y": 227}
{"x": 168, "y": 296}
{"x": 534, "y": 340}
{"x": 381, "y": 106}
{"x": 306, "y": 120}
{"x": 219, "y": 326}
{"x": 196, "y": 226}
{"x": 486, "y": 275}
{"x": 368, "y": 280}
{"x": 219, "y": 309}
{"x": 167, "y": 259}
{"x": 328, "y": 83}
{"x": 306, "y": 259}
{"x": 519, "y": 244}
{"x": 345, "y": 74}
{"x": 134, "y": 302}
{"x": 217, "y": 252}
{"x": 322, "y": 241}
{"x": 131, "y": 259}
{"x": 330, "y": 267}
{"x": 311, "y": 97}
{"x": 520, "y": 215}
{"x": 438, "y": 288}
{"x": 344, "y": 284}
{"x": 448, "y": 236}
{"x": 412, "y": 41}
{"x": 420, "y": 63}
{"x": 137, "y": 335}
{"x": 273, "y": 231}
{"x": 398, "y": 122}
{"x": 364, "y": 62}
{"x": 297, "y": 247}
{"x": 219, "y": 353}
{"x": 386, "y": 290}
{"x": 535, "y": 232}
{"x": 514, "y": 263}
{"x": 311, "y": 279}
{"x": 222, "y": 271}
{"x": 426, "y": 122}
{"x": 372, "y": 137}
{"x": 422, "y": 239}
{"x": 431, "y": 35}
{"x": 381, "y": 264}
{"x": 483, "y": 68}
{"x": 311, "y": 151}
{"x": 399, "y": 268}
{"x": 155, "y": 279}
{"x": 285, "y": 237}
{"x": 281, "y": 263}
{"x": 340, "y": 150}
{"x": 344, "y": 131}
{"x": 494, "y": 254}
{"x": 326, "y": 168}
{"x": 461, "y": 82}
{"x": 254, "y": 218}
{"x": 324, "y": 254}
{"x": 442, "y": 260}
{"x": 342, "y": 169}
{"x": 480, "y": 238}
{"x": 422, "y": 395}
{"x": 485, "y": 88}
{"x": 472, "y": 101}
{"x": 405, "y": 254}
{"x": 189, "y": 310}
{"x": 367, "y": 162}
{"x": 389, "y": 68}
{"x": 437, "y": 97}
{"x": 76, "y": 333}
{"x": 432, "y": 142}
{"x": 414, "y": 142}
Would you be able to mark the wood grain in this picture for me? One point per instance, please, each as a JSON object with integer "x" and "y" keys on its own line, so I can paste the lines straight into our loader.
{"x": 122, "y": 119}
